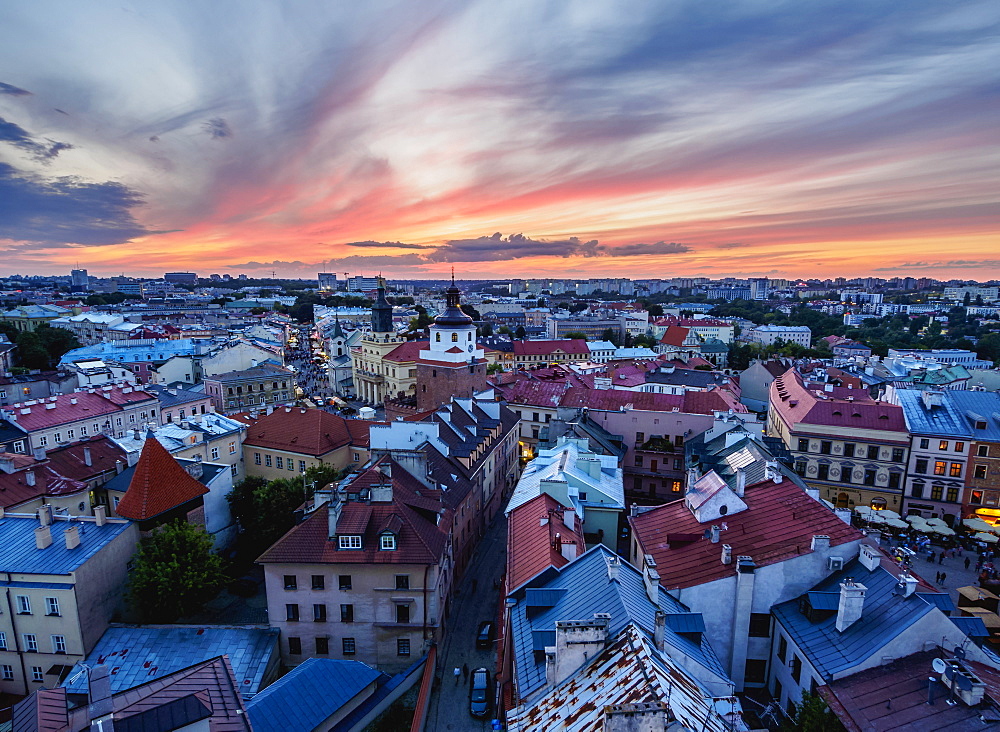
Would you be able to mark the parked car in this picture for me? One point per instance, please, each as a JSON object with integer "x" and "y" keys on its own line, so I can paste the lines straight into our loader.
{"x": 485, "y": 636}
{"x": 479, "y": 693}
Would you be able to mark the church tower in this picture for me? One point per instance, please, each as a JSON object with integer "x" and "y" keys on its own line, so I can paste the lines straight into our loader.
{"x": 369, "y": 368}
{"x": 453, "y": 364}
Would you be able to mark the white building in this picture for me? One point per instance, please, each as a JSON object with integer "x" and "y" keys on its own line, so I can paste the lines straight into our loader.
{"x": 767, "y": 335}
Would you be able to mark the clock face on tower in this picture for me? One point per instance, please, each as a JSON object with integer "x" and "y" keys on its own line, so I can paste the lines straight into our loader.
{"x": 471, "y": 348}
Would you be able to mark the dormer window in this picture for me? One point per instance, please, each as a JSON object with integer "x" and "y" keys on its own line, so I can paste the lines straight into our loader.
{"x": 349, "y": 542}
{"x": 387, "y": 542}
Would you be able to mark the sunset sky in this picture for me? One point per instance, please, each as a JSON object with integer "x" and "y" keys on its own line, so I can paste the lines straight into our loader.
{"x": 518, "y": 138}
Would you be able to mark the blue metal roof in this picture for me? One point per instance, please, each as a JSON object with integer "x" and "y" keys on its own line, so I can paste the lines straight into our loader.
{"x": 686, "y": 622}
{"x": 939, "y": 600}
{"x": 586, "y": 590}
{"x": 21, "y": 556}
{"x": 942, "y": 420}
{"x": 309, "y": 694}
{"x": 824, "y": 600}
{"x": 886, "y": 615}
{"x": 972, "y": 627}
{"x": 985, "y": 404}
{"x": 123, "y": 351}
{"x": 137, "y": 655}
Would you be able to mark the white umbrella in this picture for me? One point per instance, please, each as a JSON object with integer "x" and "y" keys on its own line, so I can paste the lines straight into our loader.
{"x": 922, "y": 528}
{"x": 915, "y": 519}
{"x": 982, "y": 536}
{"x": 977, "y": 524}
{"x": 874, "y": 518}
{"x": 863, "y": 510}
{"x": 943, "y": 530}
{"x": 897, "y": 524}
{"x": 888, "y": 514}
{"x": 936, "y": 522}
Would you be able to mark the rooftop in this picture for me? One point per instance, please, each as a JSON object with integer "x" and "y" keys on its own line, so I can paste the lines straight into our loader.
{"x": 531, "y": 544}
{"x": 158, "y": 484}
{"x": 307, "y": 431}
{"x": 21, "y": 555}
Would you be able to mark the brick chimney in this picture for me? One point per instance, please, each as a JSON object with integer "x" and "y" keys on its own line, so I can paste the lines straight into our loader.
{"x": 72, "y": 536}
{"x": 659, "y": 629}
{"x": 577, "y": 641}
{"x": 651, "y": 579}
{"x": 100, "y": 515}
{"x": 43, "y": 536}
{"x": 852, "y": 602}
{"x": 649, "y": 716}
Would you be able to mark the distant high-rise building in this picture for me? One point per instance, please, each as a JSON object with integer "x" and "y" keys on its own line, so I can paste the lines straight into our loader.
{"x": 362, "y": 284}
{"x": 181, "y": 278}
{"x": 327, "y": 281}
{"x": 79, "y": 281}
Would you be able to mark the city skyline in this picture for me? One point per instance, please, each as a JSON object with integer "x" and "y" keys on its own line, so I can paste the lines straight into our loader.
{"x": 599, "y": 140}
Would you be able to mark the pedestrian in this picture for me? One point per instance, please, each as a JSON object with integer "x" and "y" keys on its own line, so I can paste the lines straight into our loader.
{"x": 967, "y": 562}
{"x": 458, "y": 675}
{"x": 944, "y": 576}
{"x": 941, "y": 558}
{"x": 465, "y": 670}
{"x": 930, "y": 557}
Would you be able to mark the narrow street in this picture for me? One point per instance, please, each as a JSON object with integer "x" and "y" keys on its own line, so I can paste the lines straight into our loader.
{"x": 449, "y": 709}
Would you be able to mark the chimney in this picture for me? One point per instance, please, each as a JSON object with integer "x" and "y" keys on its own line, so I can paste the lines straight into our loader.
{"x": 119, "y": 467}
{"x": 741, "y": 482}
{"x": 38, "y": 453}
{"x": 932, "y": 398}
{"x": 907, "y": 584}
{"x": 727, "y": 554}
{"x": 43, "y": 536}
{"x": 852, "y": 602}
{"x": 569, "y": 518}
{"x": 135, "y": 433}
{"x": 45, "y": 514}
{"x": 72, "y": 400}
{"x": 773, "y": 471}
{"x": 820, "y": 543}
{"x": 568, "y": 550}
{"x": 614, "y": 565}
{"x": 651, "y": 579}
{"x": 659, "y": 628}
{"x": 100, "y": 515}
{"x": 714, "y": 533}
{"x": 72, "y": 536}
{"x": 7, "y": 464}
{"x": 29, "y": 477}
{"x": 334, "y": 507}
{"x": 649, "y": 716}
{"x": 577, "y": 641}
{"x": 869, "y": 558}
{"x": 87, "y": 459}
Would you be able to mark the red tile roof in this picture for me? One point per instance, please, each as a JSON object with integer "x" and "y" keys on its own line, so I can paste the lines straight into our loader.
{"x": 406, "y": 352}
{"x": 531, "y": 544}
{"x": 306, "y": 431}
{"x": 16, "y": 489}
{"x": 420, "y": 539}
{"x": 64, "y": 409}
{"x": 797, "y": 404}
{"x": 158, "y": 484}
{"x": 675, "y": 336}
{"x": 778, "y": 525}
{"x": 548, "y": 348}
{"x": 71, "y": 460}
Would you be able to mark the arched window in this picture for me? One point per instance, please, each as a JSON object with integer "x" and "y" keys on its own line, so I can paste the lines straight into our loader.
{"x": 469, "y": 336}
{"x": 454, "y": 337}
{"x": 437, "y": 337}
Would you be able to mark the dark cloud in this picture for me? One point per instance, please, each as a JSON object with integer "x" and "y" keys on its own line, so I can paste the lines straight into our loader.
{"x": 637, "y": 250}
{"x": 733, "y": 245}
{"x": 66, "y": 211}
{"x": 386, "y": 245}
{"x": 218, "y": 128}
{"x": 19, "y": 137}
{"x": 944, "y": 264}
{"x": 353, "y": 263}
{"x": 13, "y": 90}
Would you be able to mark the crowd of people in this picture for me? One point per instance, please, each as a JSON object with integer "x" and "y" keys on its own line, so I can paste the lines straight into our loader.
{"x": 311, "y": 376}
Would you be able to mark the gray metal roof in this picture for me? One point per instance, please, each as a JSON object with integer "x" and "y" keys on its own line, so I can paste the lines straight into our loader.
{"x": 21, "y": 555}
{"x": 945, "y": 419}
{"x": 985, "y": 404}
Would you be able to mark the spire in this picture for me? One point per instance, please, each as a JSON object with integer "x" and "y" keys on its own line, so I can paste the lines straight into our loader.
{"x": 381, "y": 311}
{"x": 337, "y": 331}
{"x": 453, "y": 315}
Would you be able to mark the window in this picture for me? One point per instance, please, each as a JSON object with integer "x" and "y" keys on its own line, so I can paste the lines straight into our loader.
{"x": 638, "y": 461}
{"x": 388, "y": 542}
{"x": 803, "y": 445}
{"x": 402, "y": 613}
{"x": 402, "y": 646}
{"x": 348, "y": 646}
{"x": 232, "y": 448}
{"x": 291, "y": 582}
{"x": 873, "y": 452}
{"x": 943, "y": 445}
{"x": 292, "y": 611}
{"x": 796, "y": 668}
{"x": 290, "y": 463}
{"x": 295, "y": 646}
{"x": 925, "y": 444}
{"x": 981, "y": 450}
{"x": 959, "y": 446}
{"x": 30, "y": 642}
{"x": 36, "y": 674}
{"x": 349, "y": 542}
{"x": 936, "y": 492}
{"x": 952, "y": 495}
{"x": 215, "y": 453}
{"x": 43, "y": 441}
{"x": 19, "y": 446}
{"x": 234, "y": 469}
{"x": 70, "y": 434}
{"x": 58, "y": 644}
{"x": 319, "y": 613}
{"x": 823, "y": 472}
{"x": 52, "y": 606}
{"x": 897, "y": 454}
{"x": 676, "y": 486}
{"x": 347, "y": 613}
{"x": 976, "y": 498}
{"x": 782, "y": 649}
{"x": 344, "y": 582}
{"x": 980, "y": 472}
{"x": 777, "y": 689}
{"x": 825, "y": 447}
{"x": 918, "y": 490}
{"x": 3, "y": 641}
{"x": 279, "y": 463}
{"x": 302, "y": 463}
{"x": 8, "y": 672}
{"x": 921, "y": 466}
{"x": 267, "y": 461}
{"x": 83, "y": 430}
{"x": 23, "y": 605}
{"x": 848, "y": 449}
{"x": 955, "y": 470}
{"x": 800, "y": 467}
{"x": 760, "y": 625}
{"x": 940, "y": 466}
{"x": 318, "y": 582}
{"x": 323, "y": 646}
{"x": 893, "y": 480}
{"x": 869, "y": 477}
{"x": 402, "y": 581}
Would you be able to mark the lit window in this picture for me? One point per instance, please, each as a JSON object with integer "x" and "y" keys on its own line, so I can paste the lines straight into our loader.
{"x": 943, "y": 445}
{"x": 232, "y": 448}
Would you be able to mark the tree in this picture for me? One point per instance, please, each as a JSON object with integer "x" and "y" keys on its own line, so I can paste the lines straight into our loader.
{"x": 610, "y": 334}
{"x": 988, "y": 347}
{"x": 578, "y": 307}
{"x": 967, "y": 300}
{"x": 486, "y": 330}
{"x": 576, "y": 335}
{"x": 812, "y": 715}
{"x": 655, "y": 311}
{"x": 494, "y": 368}
{"x": 503, "y": 330}
{"x": 471, "y": 312}
{"x": 520, "y": 333}
{"x": 174, "y": 573}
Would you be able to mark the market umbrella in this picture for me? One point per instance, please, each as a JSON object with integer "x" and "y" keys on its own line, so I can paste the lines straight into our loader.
{"x": 897, "y": 524}
{"x": 873, "y": 518}
{"x": 977, "y": 524}
{"x": 936, "y": 522}
{"x": 864, "y": 511}
{"x": 943, "y": 530}
{"x": 989, "y": 538}
{"x": 888, "y": 514}
{"x": 915, "y": 519}
{"x": 922, "y": 528}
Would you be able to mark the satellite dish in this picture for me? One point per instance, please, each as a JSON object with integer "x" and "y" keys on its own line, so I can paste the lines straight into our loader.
{"x": 949, "y": 673}
{"x": 964, "y": 682}
{"x": 959, "y": 652}
{"x": 939, "y": 666}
